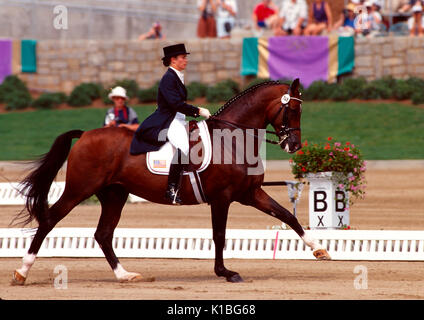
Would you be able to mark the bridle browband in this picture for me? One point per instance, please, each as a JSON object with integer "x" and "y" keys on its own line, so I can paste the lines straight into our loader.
{"x": 284, "y": 131}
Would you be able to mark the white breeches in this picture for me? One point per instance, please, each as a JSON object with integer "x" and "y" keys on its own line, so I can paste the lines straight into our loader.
{"x": 177, "y": 133}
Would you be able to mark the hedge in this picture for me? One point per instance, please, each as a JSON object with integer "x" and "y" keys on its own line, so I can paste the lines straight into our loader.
{"x": 15, "y": 94}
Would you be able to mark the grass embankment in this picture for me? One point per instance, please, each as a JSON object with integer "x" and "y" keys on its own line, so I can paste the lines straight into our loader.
{"x": 381, "y": 130}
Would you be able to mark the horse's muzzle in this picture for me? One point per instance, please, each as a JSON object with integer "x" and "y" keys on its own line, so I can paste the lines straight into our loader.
{"x": 291, "y": 144}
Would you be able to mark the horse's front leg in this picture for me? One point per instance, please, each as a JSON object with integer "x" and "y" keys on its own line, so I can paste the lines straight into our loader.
{"x": 262, "y": 201}
{"x": 219, "y": 211}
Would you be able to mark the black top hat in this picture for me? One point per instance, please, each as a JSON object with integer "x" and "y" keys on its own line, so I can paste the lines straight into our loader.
{"x": 174, "y": 50}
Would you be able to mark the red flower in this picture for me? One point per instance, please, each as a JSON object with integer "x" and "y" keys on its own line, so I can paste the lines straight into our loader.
{"x": 303, "y": 169}
{"x": 329, "y": 138}
{"x": 347, "y": 143}
{"x": 346, "y": 149}
{"x": 300, "y": 152}
{"x": 327, "y": 147}
{"x": 305, "y": 144}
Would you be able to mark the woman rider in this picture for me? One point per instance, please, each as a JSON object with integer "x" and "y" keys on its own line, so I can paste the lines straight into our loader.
{"x": 168, "y": 121}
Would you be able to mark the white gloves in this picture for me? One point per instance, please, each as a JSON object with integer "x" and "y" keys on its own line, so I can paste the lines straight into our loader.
{"x": 204, "y": 112}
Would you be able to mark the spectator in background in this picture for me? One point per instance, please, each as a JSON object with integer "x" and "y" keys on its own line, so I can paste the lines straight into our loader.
{"x": 406, "y": 5}
{"x": 320, "y": 18}
{"x": 292, "y": 16}
{"x": 155, "y": 32}
{"x": 206, "y": 27}
{"x": 368, "y": 23}
{"x": 265, "y": 16}
{"x": 120, "y": 115}
{"x": 345, "y": 26}
{"x": 226, "y": 11}
{"x": 416, "y": 22}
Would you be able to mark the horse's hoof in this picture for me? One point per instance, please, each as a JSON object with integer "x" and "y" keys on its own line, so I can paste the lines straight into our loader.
{"x": 131, "y": 277}
{"x": 18, "y": 279}
{"x": 235, "y": 278}
{"x": 321, "y": 254}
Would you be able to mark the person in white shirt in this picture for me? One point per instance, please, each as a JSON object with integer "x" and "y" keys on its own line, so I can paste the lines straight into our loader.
{"x": 292, "y": 16}
{"x": 225, "y": 17}
{"x": 367, "y": 23}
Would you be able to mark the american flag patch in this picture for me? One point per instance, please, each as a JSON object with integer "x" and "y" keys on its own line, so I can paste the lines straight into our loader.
{"x": 159, "y": 163}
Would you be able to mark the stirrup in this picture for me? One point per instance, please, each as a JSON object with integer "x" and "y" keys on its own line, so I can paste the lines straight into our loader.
{"x": 172, "y": 195}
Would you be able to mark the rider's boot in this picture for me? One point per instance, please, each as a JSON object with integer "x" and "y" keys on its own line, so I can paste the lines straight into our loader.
{"x": 174, "y": 179}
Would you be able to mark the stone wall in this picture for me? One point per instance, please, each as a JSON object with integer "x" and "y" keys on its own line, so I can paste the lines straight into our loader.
{"x": 400, "y": 57}
{"x": 61, "y": 65}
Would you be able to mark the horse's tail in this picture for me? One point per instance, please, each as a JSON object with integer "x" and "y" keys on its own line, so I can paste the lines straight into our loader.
{"x": 37, "y": 184}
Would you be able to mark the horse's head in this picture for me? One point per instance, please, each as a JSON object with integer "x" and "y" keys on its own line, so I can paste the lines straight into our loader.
{"x": 284, "y": 116}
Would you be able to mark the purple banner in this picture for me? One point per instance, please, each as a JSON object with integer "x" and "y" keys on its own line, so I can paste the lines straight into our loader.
{"x": 5, "y": 58}
{"x": 298, "y": 57}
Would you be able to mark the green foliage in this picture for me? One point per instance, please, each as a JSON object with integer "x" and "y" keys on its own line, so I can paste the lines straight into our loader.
{"x": 222, "y": 91}
{"x": 418, "y": 97}
{"x": 79, "y": 98}
{"x": 355, "y": 86}
{"x": 376, "y": 89}
{"x": 149, "y": 94}
{"x": 319, "y": 90}
{"x": 342, "y": 93}
{"x": 11, "y": 84}
{"x": 17, "y": 100}
{"x": 14, "y": 92}
{"x": 49, "y": 100}
{"x": 196, "y": 90}
{"x": 230, "y": 83}
{"x": 219, "y": 94}
{"x": 345, "y": 159}
{"x": 83, "y": 94}
{"x": 416, "y": 83}
{"x": 402, "y": 90}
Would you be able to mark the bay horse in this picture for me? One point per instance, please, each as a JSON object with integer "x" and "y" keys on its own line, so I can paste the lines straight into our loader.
{"x": 100, "y": 164}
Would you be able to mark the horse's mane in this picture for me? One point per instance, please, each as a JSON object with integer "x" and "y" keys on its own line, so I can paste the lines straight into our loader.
{"x": 244, "y": 93}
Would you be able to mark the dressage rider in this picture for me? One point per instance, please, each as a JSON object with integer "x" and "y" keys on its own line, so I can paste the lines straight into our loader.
{"x": 167, "y": 123}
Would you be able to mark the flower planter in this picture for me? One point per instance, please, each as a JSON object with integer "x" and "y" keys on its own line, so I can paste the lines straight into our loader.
{"x": 328, "y": 202}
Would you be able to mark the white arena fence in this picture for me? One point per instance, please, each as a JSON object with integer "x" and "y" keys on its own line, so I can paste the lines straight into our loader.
{"x": 10, "y": 195}
{"x": 240, "y": 244}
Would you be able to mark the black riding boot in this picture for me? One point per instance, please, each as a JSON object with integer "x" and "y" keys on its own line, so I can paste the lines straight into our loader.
{"x": 174, "y": 179}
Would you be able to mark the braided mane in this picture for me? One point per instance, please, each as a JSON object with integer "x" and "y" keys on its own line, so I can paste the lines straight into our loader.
{"x": 243, "y": 93}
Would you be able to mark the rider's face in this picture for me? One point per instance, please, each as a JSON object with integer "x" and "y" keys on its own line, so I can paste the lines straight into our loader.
{"x": 179, "y": 62}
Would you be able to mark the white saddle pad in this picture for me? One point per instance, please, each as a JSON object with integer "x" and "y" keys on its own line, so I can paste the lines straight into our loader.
{"x": 158, "y": 162}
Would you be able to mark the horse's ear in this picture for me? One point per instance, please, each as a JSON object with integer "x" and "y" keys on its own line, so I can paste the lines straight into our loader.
{"x": 294, "y": 87}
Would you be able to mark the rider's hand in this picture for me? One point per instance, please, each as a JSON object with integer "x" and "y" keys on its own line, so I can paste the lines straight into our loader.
{"x": 204, "y": 112}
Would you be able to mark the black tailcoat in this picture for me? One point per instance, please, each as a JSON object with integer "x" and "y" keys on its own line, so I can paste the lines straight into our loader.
{"x": 172, "y": 96}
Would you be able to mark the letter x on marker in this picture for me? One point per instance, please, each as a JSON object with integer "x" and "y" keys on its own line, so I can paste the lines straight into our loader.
{"x": 320, "y": 221}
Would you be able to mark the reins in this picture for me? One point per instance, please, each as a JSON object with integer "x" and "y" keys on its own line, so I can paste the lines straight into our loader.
{"x": 238, "y": 126}
{"x": 283, "y": 134}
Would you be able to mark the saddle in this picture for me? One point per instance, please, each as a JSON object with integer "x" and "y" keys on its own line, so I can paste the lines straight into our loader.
{"x": 200, "y": 152}
{"x": 200, "y": 155}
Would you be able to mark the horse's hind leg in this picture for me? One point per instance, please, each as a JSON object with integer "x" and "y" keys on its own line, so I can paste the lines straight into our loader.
{"x": 112, "y": 199}
{"x": 262, "y": 201}
{"x": 55, "y": 213}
